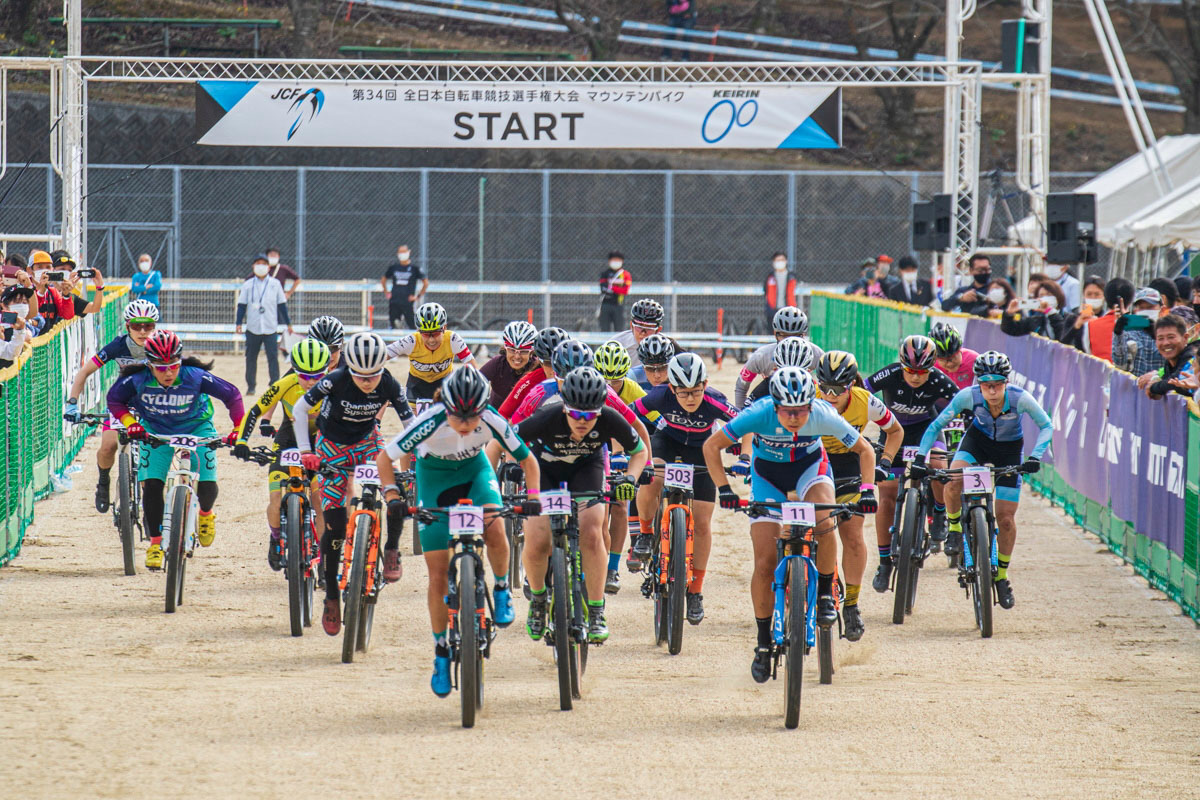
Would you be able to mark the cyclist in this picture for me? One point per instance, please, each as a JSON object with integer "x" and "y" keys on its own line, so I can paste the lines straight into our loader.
{"x": 645, "y": 319}
{"x": 568, "y": 435}
{"x": 449, "y": 440}
{"x": 687, "y": 410}
{"x": 956, "y": 361}
{"x": 431, "y": 351}
{"x": 793, "y": 352}
{"x": 655, "y": 352}
{"x": 787, "y": 456}
{"x": 514, "y": 360}
{"x": 914, "y": 391}
{"x": 612, "y": 361}
{"x": 543, "y": 349}
{"x": 310, "y": 361}
{"x": 141, "y": 317}
{"x": 994, "y": 437}
{"x": 838, "y": 382}
{"x": 788, "y": 321}
{"x": 169, "y": 395}
{"x": 328, "y": 331}
{"x": 351, "y": 398}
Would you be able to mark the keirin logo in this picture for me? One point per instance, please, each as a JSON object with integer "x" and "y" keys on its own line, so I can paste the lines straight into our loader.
{"x": 314, "y": 99}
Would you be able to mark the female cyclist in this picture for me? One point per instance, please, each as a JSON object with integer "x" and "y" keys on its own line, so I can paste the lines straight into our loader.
{"x": 786, "y": 431}
{"x": 310, "y": 361}
{"x": 793, "y": 352}
{"x": 350, "y": 398}
{"x": 449, "y": 440}
{"x": 431, "y": 352}
{"x": 994, "y": 437}
{"x": 514, "y": 360}
{"x": 655, "y": 352}
{"x": 787, "y": 323}
{"x": 612, "y": 362}
{"x": 543, "y": 349}
{"x": 141, "y": 317}
{"x": 169, "y": 395}
{"x": 956, "y": 361}
{"x": 328, "y": 331}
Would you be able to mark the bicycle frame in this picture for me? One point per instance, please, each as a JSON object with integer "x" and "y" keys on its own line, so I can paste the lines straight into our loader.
{"x": 366, "y": 504}
{"x": 181, "y": 477}
{"x": 799, "y": 544}
{"x": 469, "y": 546}
{"x": 674, "y": 498}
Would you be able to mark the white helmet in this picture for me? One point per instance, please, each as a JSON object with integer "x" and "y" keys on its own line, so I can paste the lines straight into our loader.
{"x": 792, "y": 387}
{"x": 519, "y": 335}
{"x": 793, "y": 352}
{"x": 365, "y": 353}
{"x": 141, "y": 309}
{"x": 686, "y": 371}
{"x": 791, "y": 321}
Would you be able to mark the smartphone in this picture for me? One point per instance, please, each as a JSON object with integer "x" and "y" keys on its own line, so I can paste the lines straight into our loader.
{"x": 86, "y": 273}
{"x": 8, "y": 317}
{"x": 54, "y": 276}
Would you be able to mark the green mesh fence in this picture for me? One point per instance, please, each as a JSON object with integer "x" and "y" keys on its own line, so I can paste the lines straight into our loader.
{"x": 38, "y": 443}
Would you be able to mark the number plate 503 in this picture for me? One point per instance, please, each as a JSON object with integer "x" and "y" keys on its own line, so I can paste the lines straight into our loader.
{"x": 977, "y": 480}
{"x": 678, "y": 476}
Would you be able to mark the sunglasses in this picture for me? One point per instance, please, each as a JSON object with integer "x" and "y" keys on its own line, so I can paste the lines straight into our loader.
{"x": 431, "y": 334}
{"x": 794, "y": 411}
{"x": 463, "y": 417}
{"x": 833, "y": 390}
{"x": 654, "y": 367}
{"x": 311, "y": 376}
{"x": 141, "y": 326}
{"x": 688, "y": 394}
{"x": 646, "y": 326}
{"x": 916, "y": 371}
{"x": 165, "y": 367}
{"x": 582, "y": 416}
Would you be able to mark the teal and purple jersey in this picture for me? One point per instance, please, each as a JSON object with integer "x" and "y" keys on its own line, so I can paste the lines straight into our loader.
{"x": 183, "y": 407}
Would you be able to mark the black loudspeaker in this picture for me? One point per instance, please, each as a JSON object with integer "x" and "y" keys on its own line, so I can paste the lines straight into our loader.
{"x": 942, "y": 222}
{"x": 1071, "y": 228}
{"x": 1019, "y": 46}
{"x": 922, "y": 226}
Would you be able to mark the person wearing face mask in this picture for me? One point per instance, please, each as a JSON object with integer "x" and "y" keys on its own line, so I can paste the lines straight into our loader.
{"x": 1091, "y": 306}
{"x": 51, "y": 305}
{"x": 147, "y": 281}
{"x": 1172, "y": 302}
{"x": 911, "y": 289}
{"x": 615, "y": 283}
{"x": 13, "y": 335}
{"x": 75, "y": 287}
{"x": 1133, "y": 346}
{"x": 868, "y": 284}
{"x": 262, "y": 305}
{"x": 1044, "y": 317}
{"x": 779, "y": 288}
{"x": 281, "y": 272}
{"x": 399, "y": 283}
{"x": 1061, "y": 274}
{"x": 883, "y": 272}
{"x": 972, "y": 298}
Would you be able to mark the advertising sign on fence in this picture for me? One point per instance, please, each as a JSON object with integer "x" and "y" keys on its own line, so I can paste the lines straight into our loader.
{"x": 517, "y": 115}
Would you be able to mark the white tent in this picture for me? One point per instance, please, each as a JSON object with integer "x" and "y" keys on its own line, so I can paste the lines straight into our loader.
{"x": 1175, "y": 219}
{"x": 1126, "y": 190}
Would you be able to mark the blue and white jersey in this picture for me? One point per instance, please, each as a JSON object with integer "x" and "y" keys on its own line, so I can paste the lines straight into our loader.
{"x": 773, "y": 442}
{"x": 121, "y": 350}
{"x": 1004, "y": 428}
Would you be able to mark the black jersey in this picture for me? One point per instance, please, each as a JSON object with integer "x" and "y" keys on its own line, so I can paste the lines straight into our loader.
{"x": 912, "y": 405}
{"x": 660, "y": 410}
{"x": 348, "y": 414}
{"x": 548, "y": 434}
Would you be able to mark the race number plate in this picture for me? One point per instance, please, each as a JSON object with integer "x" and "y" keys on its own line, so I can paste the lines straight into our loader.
{"x": 466, "y": 521}
{"x": 909, "y": 453}
{"x": 956, "y": 425}
{"x": 678, "y": 476}
{"x": 556, "y": 503}
{"x": 289, "y": 457}
{"x": 977, "y": 480}
{"x": 184, "y": 442}
{"x": 366, "y": 475}
{"x": 799, "y": 514}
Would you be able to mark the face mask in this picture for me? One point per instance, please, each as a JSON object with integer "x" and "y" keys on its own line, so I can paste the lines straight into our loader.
{"x": 882, "y": 270}
{"x": 144, "y": 266}
{"x": 1054, "y": 271}
{"x": 780, "y": 266}
{"x": 982, "y": 277}
{"x": 1148, "y": 313}
{"x": 996, "y": 296}
{"x": 273, "y": 260}
{"x": 1049, "y": 302}
{"x": 20, "y": 309}
{"x": 910, "y": 277}
{"x": 1096, "y": 303}
{"x": 260, "y": 270}
{"x": 614, "y": 264}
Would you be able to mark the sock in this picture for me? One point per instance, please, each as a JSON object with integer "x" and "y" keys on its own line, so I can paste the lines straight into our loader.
{"x": 635, "y": 525}
{"x": 614, "y": 561}
{"x": 204, "y": 513}
{"x": 104, "y": 474}
{"x": 764, "y": 631}
{"x": 156, "y": 540}
{"x": 595, "y": 603}
{"x": 852, "y": 594}
{"x": 502, "y": 582}
{"x": 885, "y": 555}
{"x": 824, "y": 584}
{"x": 1002, "y": 571}
{"x": 537, "y": 592}
{"x": 697, "y": 584}
{"x": 644, "y": 526}
{"x": 275, "y": 532}
{"x": 938, "y": 507}
{"x": 955, "y": 521}
{"x": 440, "y": 648}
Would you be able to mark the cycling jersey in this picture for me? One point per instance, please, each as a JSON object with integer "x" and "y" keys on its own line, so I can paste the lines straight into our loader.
{"x": 503, "y": 377}
{"x": 911, "y": 405}
{"x": 864, "y": 407}
{"x": 690, "y": 428}
{"x": 547, "y": 389}
{"x": 762, "y": 362}
{"x": 430, "y": 437}
{"x": 182, "y": 407}
{"x": 773, "y": 442}
{"x": 549, "y": 435}
{"x": 1004, "y": 428}
{"x": 517, "y": 395}
{"x": 627, "y": 340}
{"x": 285, "y": 392}
{"x": 122, "y": 350}
{"x": 348, "y": 415}
{"x": 630, "y": 391}
{"x": 431, "y": 365}
{"x": 964, "y": 376}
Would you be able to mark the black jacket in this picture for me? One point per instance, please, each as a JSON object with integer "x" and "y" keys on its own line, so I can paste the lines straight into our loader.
{"x": 979, "y": 308}
{"x": 922, "y": 293}
{"x": 1024, "y": 323}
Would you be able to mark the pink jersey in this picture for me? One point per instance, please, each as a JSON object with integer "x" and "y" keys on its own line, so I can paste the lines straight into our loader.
{"x": 548, "y": 388}
{"x": 964, "y": 376}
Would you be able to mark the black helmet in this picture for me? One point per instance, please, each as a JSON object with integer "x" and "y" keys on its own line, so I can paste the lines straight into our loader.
{"x": 465, "y": 392}
{"x": 570, "y": 354}
{"x": 837, "y": 368}
{"x": 327, "y": 329}
{"x": 647, "y": 312}
{"x": 656, "y": 350}
{"x": 584, "y": 389}
{"x": 546, "y": 340}
{"x": 946, "y": 339}
{"x": 993, "y": 363}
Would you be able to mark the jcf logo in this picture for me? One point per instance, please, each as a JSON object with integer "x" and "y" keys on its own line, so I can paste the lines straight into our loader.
{"x": 307, "y": 103}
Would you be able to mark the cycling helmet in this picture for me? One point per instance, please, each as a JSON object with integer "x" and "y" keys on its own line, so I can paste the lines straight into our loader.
{"x": 465, "y": 392}
{"x": 793, "y": 352}
{"x": 791, "y": 321}
{"x": 917, "y": 352}
{"x": 310, "y": 356}
{"x": 584, "y": 389}
{"x": 141, "y": 309}
{"x": 656, "y": 350}
{"x": 569, "y": 355}
{"x": 519, "y": 335}
{"x": 612, "y": 361}
{"x": 546, "y": 340}
{"x": 431, "y": 317}
{"x": 327, "y": 329}
{"x": 365, "y": 354}
{"x": 163, "y": 347}
{"x": 647, "y": 312}
{"x": 993, "y": 363}
{"x": 946, "y": 339}
{"x": 687, "y": 371}
{"x": 836, "y": 368}
{"x": 792, "y": 386}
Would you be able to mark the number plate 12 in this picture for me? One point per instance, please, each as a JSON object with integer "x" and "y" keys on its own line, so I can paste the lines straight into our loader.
{"x": 466, "y": 521}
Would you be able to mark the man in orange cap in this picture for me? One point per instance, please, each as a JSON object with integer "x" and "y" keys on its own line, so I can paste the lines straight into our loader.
{"x": 50, "y": 304}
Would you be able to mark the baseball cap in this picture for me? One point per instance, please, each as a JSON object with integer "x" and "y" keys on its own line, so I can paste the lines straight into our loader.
{"x": 64, "y": 260}
{"x": 867, "y": 262}
{"x": 40, "y": 257}
{"x": 1148, "y": 295}
{"x": 884, "y": 257}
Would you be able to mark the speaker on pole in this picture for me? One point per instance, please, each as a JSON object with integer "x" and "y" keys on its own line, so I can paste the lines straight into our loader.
{"x": 1071, "y": 228}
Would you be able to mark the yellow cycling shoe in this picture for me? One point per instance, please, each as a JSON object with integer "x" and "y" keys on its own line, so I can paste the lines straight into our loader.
{"x": 154, "y": 557}
{"x": 207, "y": 529}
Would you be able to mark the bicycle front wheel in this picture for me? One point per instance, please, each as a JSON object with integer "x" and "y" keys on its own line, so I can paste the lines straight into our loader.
{"x": 176, "y": 556}
{"x": 794, "y": 641}
{"x": 293, "y": 514}
{"x": 352, "y": 612}
{"x": 125, "y": 510}
{"x": 981, "y": 543}
{"x": 677, "y": 581}
{"x": 470, "y": 673}
{"x": 560, "y": 600}
{"x": 904, "y": 555}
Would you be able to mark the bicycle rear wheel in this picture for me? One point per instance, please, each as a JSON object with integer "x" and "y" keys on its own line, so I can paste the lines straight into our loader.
{"x": 981, "y": 542}
{"x": 293, "y": 514}
{"x": 176, "y": 558}
{"x": 125, "y": 517}
{"x": 311, "y": 549}
{"x": 904, "y": 555}
{"x": 354, "y": 588}
{"x": 469, "y": 658}
{"x": 560, "y": 591}
{"x": 677, "y": 581}
{"x": 794, "y": 641}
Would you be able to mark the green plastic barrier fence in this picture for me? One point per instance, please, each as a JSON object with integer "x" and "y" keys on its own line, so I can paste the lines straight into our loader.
{"x": 38, "y": 442}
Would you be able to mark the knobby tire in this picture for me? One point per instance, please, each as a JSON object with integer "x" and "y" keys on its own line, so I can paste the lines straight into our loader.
{"x": 469, "y": 675}
{"x": 794, "y": 620}
{"x": 125, "y": 517}
{"x": 560, "y": 593}
{"x": 677, "y": 581}
{"x": 354, "y": 589}
{"x": 176, "y": 560}
{"x": 981, "y": 541}
{"x": 293, "y": 511}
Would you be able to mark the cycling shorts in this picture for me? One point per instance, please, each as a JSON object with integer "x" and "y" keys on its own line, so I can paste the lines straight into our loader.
{"x": 443, "y": 483}
{"x": 419, "y": 389}
{"x": 845, "y": 467}
{"x": 912, "y": 438}
{"x": 111, "y": 424}
{"x": 669, "y": 450}
{"x": 155, "y": 462}
{"x": 586, "y": 475}
{"x": 771, "y": 481}
{"x": 977, "y": 448}
{"x": 345, "y": 457}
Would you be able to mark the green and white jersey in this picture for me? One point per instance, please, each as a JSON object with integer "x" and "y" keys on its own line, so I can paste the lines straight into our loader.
{"x": 429, "y": 436}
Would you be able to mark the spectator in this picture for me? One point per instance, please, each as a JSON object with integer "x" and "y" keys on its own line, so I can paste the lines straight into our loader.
{"x": 399, "y": 283}
{"x": 1172, "y": 303}
{"x": 615, "y": 283}
{"x": 1183, "y": 287}
{"x": 779, "y": 288}
{"x": 262, "y": 305}
{"x": 680, "y": 14}
{"x": 867, "y": 284}
{"x": 1090, "y": 308}
{"x": 883, "y": 269}
{"x": 1195, "y": 294}
{"x": 911, "y": 289}
{"x": 999, "y": 295}
{"x": 1133, "y": 347}
{"x": 1177, "y": 374}
{"x": 147, "y": 282}
{"x": 14, "y": 331}
{"x": 71, "y": 287}
{"x": 280, "y": 272}
{"x": 1067, "y": 282}
{"x": 972, "y": 298}
{"x": 15, "y": 260}
{"x": 1040, "y": 314}
{"x": 51, "y": 305}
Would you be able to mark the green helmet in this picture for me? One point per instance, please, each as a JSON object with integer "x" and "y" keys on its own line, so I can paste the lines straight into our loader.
{"x": 612, "y": 361}
{"x": 310, "y": 356}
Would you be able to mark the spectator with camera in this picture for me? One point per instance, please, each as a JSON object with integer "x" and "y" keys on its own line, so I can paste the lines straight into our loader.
{"x": 1040, "y": 314}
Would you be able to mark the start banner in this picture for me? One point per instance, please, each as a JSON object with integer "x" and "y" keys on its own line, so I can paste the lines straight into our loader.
{"x": 517, "y": 115}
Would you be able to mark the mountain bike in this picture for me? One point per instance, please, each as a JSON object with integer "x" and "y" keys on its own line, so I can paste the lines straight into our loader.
{"x": 911, "y": 542}
{"x": 127, "y": 510}
{"x": 361, "y": 578}
{"x": 670, "y": 564}
{"x": 794, "y": 629}
{"x": 514, "y": 531}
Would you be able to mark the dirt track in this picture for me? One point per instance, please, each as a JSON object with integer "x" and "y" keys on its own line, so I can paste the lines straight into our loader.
{"x": 1090, "y": 687}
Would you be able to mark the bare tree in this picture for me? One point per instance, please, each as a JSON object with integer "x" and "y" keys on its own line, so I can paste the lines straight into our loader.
{"x": 597, "y": 22}
{"x": 1180, "y": 52}
{"x": 306, "y": 18}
